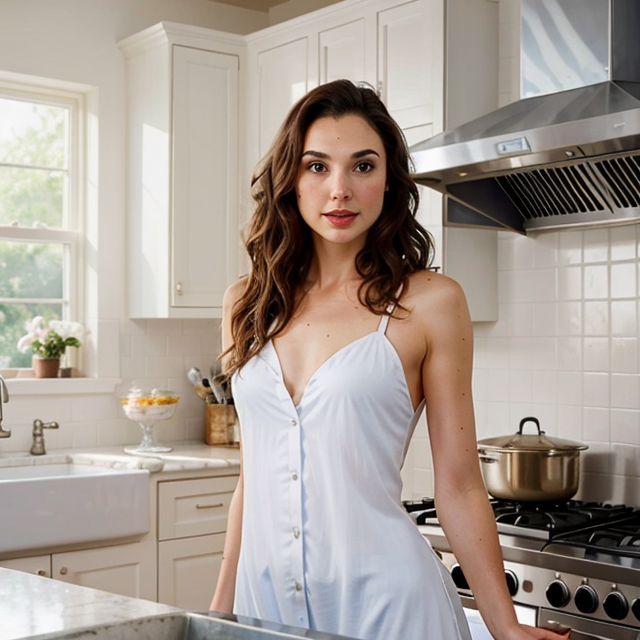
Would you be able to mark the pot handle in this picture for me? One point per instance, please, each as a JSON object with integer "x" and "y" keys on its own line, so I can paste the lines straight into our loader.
{"x": 487, "y": 458}
{"x": 530, "y": 419}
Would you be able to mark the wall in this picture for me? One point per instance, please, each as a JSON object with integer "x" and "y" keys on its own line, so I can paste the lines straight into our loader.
{"x": 565, "y": 347}
{"x": 75, "y": 41}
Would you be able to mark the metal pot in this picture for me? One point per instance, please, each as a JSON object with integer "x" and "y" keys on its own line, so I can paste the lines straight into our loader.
{"x": 530, "y": 467}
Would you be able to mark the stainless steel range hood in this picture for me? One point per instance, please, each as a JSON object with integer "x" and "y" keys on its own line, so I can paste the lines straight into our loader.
{"x": 568, "y": 152}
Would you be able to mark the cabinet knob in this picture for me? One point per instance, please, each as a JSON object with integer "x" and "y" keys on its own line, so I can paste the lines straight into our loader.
{"x": 64, "y": 571}
{"x": 179, "y": 288}
{"x": 41, "y": 572}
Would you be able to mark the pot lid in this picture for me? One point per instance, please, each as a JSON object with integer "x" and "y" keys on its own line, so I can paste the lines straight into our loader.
{"x": 530, "y": 442}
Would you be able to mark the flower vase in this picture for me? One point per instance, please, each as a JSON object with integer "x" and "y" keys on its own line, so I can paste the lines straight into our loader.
{"x": 46, "y": 367}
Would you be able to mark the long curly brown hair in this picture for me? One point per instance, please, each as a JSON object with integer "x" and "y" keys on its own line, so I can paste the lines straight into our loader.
{"x": 279, "y": 242}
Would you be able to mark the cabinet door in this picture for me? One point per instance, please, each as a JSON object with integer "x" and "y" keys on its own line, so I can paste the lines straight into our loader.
{"x": 126, "y": 569}
{"x": 282, "y": 80}
{"x": 204, "y": 220}
{"x": 194, "y": 507}
{"x": 188, "y": 571}
{"x": 38, "y": 565}
{"x": 342, "y": 52}
{"x": 411, "y": 62}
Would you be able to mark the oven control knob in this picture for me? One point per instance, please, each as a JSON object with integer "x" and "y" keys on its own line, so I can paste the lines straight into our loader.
{"x": 635, "y": 608}
{"x": 616, "y": 605}
{"x": 558, "y": 594}
{"x": 458, "y": 577}
{"x": 586, "y": 598}
{"x": 512, "y": 581}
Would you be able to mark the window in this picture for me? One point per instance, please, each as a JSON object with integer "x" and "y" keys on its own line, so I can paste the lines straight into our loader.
{"x": 39, "y": 217}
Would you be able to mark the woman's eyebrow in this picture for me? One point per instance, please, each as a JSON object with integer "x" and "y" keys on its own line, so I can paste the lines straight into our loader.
{"x": 325, "y": 156}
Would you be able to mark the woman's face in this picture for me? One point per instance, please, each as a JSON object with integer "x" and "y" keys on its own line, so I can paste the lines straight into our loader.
{"x": 342, "y": 179}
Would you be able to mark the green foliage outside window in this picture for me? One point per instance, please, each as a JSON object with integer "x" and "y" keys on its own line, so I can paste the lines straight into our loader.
{"x": 33, "y": 183}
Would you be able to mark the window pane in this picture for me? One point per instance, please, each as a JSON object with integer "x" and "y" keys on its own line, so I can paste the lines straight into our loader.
{"x": 32, "y": 196}
{"x": 31, "y": 270}
{"x": 13, "y": 317}
{"x": 33, "y": 134}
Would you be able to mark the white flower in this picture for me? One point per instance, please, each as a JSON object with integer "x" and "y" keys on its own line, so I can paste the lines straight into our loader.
{"x": 67, "y": 329}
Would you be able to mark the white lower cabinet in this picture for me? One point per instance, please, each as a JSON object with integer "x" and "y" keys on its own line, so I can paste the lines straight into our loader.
{"x": 192, "y": 520}
{"x": 125, "y": 569}
{"x": 188, "y": 570}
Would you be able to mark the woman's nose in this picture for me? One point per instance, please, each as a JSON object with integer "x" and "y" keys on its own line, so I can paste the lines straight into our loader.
{"x": 340, "y": 188}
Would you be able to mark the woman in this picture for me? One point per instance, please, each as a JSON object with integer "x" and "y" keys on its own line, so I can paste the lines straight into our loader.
{"x": 336, "y": 340}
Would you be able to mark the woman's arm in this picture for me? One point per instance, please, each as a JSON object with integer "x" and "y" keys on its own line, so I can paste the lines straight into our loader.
{"x": 224, "y": 594}
{"x": 461, "y": 499}
{"x": 225, "y": 589}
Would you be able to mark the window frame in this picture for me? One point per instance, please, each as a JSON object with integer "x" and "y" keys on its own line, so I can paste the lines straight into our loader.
{"x": 72, "y": 236}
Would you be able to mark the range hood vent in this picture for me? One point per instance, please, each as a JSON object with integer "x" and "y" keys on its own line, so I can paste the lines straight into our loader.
{"x": 569, "y": 157}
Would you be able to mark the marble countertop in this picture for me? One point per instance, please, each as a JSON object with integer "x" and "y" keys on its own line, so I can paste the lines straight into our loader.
{"x": 184, "y": 457}
{"x": 43, "y": 609}
{"x": 36, "y": 607}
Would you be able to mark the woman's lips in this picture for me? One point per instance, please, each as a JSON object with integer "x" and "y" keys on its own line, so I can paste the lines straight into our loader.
{"x": 340, "y": 218}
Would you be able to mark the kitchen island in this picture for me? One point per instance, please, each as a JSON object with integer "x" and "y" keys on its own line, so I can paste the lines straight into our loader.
{"x": 33, "y": 607}
{"x": 43, "y": 609}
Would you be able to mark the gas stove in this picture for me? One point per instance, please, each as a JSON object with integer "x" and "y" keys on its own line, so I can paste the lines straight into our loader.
{"x": 576, "y": 562}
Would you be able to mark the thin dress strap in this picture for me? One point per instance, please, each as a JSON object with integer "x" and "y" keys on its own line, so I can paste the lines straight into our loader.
{"x": 384, "y": 320}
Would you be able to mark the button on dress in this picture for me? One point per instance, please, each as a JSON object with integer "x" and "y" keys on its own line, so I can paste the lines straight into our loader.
{"x": 326, "y": 543}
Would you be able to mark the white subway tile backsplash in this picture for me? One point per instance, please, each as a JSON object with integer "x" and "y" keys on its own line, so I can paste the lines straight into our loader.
{"x": 623, "y": 280}
{"x": 596, "y": 354}
{"x": 623, "y": 242}
{"x": 522, "y": 316}
{"x": 624, "y": 318}
{"x": 545, "y": 319}
{"x": 569, "y": 248}
{"x": 596, "y": 390}
{"x": 596, "y": 245}
{"x": 570, "y": 354}
{"x": 149, "y": 345}
{"x": 625, "y": 391}
{"x": 520, "y": 386}
{"x": 570, "y": 283}
{"x": 625, "y": 427}
{"x": 624, "y": 355}
{"x": 596, "y": 282}
{"x": 569, "y": 318}
{"x": 596, "y": 318}
{"x": 595, "y": 427}
{"x": 570, "y": 388}
{"x": 545, "y": 284}
{"x": 545, "y": 251}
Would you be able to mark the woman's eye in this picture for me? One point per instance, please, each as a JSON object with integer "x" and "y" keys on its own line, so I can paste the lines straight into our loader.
{"x": 364, "y": 167}
{"x": 316, "y": 167}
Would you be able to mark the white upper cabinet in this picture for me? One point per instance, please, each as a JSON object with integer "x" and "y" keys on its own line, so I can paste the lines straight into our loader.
{"x": 411, "y": 63}
{"x": 281, "y": 80}
{"x": 342, "y": 52}
{"x": 183, "y": 110}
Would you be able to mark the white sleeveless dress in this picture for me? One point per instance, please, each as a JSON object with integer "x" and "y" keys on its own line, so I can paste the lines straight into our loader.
{"x": 326, "y": 543}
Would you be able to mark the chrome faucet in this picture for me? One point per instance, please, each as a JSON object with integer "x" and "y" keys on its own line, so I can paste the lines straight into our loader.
{"x": 37, "y": 448}
{"x": 4, "y": 397}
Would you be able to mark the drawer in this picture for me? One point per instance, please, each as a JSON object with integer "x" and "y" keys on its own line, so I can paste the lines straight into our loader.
{"x": 194, "y": 507}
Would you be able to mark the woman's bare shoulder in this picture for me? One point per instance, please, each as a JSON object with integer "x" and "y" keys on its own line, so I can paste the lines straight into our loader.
{"x": 431, "y": 294}
{"x": 234, "y": 292}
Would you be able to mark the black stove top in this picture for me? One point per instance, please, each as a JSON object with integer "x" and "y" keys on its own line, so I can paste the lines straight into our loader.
{"x": 614, "y": 543}
{"x": 549, "y": 520}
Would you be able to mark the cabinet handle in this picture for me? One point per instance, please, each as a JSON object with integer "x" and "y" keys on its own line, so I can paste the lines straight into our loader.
{"x": 64, "y": 571}
{"x": 42, "y": 572}
{"x": 209, "y": 506}
{"x": 179, "y": 288}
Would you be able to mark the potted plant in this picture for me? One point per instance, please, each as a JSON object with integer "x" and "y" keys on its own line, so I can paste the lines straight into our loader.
{"x": 48, "y": 342}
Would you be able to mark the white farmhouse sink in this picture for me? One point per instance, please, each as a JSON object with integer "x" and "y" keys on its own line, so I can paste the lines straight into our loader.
{"x": 48, "y": 505}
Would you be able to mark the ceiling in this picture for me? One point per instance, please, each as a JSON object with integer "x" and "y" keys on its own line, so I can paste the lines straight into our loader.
{"x": 256, "y": 5}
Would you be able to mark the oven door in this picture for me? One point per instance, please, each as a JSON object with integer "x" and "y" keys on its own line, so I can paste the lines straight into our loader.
{"x": 585, "y": 628}
{"x": 479, "y": 631}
